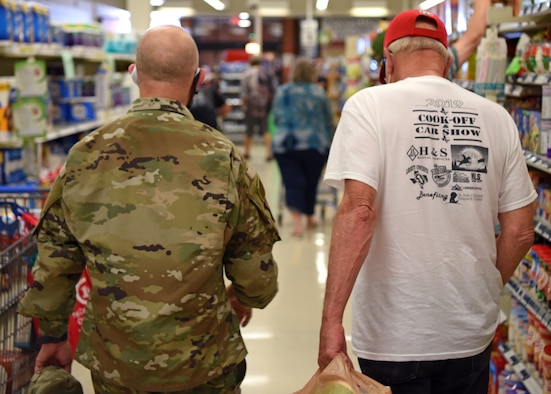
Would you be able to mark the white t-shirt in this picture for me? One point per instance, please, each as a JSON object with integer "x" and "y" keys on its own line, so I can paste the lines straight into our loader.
{"x": 444, "y": 162}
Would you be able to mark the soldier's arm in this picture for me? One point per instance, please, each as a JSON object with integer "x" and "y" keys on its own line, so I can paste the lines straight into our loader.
{"x": 249, "y": 262}
{"x": 56, "y": 272}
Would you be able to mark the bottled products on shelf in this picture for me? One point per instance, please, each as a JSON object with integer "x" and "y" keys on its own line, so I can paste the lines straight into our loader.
{"x": 233, "y": 124}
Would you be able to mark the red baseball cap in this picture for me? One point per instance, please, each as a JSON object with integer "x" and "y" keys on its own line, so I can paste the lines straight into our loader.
{"x": 403, "y": 25}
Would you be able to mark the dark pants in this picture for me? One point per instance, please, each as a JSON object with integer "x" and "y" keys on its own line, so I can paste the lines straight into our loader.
{"x": 459, "y": 376}
{"x": 300, "y": 172}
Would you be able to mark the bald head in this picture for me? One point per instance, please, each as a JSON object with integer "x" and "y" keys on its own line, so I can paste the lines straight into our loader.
{"x": 166, "y": 60}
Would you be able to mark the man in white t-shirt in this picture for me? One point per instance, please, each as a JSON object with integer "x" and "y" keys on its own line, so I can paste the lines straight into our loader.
{"x": 428, "y": 170}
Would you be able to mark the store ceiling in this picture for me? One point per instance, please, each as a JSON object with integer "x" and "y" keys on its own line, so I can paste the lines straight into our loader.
{"x": 297, "y": 8}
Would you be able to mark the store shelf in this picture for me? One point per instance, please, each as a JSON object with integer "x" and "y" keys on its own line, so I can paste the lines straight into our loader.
{"x": 9, "y": 49}
{"x": 538, "y": 162}
{"x": 61, "y": 131}
{"x": 533, "y": 18}
{"x": 529, "y": 300}
{"x": 532, "y": 385}
{"x": 543, "y": 230}
{"x": 233, "y": 124}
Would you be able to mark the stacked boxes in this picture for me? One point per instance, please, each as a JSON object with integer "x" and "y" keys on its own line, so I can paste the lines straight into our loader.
{"x": 529, "y": 126}
{"x": 542, "y": 184}
{"x": 73, "y": 100}
{"x": 546, "y": 118}
{"x": 30, "y": 109}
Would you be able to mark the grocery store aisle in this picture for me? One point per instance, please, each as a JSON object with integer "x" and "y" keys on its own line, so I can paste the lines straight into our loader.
{"x": 283, "y": 338}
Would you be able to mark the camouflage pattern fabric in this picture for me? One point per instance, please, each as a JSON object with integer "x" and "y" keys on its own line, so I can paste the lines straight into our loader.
{"x": 158, "y": 207}
{"x": 54, "y": 380}
{"x": 224, "y": 384}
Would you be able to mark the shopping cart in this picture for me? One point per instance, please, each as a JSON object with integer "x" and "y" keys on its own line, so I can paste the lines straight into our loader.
{"x": 19, "y": 210}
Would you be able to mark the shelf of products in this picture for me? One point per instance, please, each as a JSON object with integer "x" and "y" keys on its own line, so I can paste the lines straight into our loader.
{"x": 9, "y": 49}
{"x": 77, "y": 90}
{"x": 529, "y": 319}
{"x": 533, "y": 18}
{"x": 233, "y": 124}
{"x": 531, "y": 384}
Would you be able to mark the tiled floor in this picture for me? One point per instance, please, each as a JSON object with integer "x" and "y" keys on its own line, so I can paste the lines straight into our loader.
{"x": 283, "y": 338}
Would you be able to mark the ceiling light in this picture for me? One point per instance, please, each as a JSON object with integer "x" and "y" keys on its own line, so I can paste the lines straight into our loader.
{"x": 321, "y": 5}
{"x": 244, "y": 23}
{"x": 428, "y": 4}
{"x": 156, "y": 3}
{"x": 369, "y": 12}
{"x": 170, "y": 16}
{"x": 252, "y": 48}
{"x": 369, "y": 8}
{"x": 218, "y": 5}
{"x": 274, "y": 8}
{"x": 244, "y": 15}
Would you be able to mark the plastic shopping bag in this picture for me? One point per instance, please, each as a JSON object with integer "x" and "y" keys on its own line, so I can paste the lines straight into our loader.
{"x": 340, "y": 378}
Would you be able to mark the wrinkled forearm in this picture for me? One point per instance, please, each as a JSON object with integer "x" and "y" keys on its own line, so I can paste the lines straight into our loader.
{"x": 352, "y": 233}
{"x": 515, "y": 240}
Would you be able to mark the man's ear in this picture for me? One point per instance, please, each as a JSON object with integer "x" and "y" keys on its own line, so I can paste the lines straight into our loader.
{"x": 133, "y": 72}
{"x": 389, "y": 64}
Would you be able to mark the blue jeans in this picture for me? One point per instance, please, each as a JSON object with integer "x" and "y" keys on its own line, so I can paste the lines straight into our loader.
{"x": 457, "y": 376}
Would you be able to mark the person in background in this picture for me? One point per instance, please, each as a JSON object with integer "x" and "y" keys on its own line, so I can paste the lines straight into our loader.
{"x": 257, "y": 94}
{"x": 209, "y": 104}
{"x": 428, "y": 170}
{"x": 303, "y": 130}
{"x": 158, "y": 208}
{"x": 461, "y": 49}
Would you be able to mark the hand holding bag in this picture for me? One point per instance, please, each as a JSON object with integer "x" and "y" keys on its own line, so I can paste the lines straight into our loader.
{"x": 340, "y": 378}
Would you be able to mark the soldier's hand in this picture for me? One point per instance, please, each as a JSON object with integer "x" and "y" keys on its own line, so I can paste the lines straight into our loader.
{"x": 59, "y": 354}
{"x": 244, "y": 313}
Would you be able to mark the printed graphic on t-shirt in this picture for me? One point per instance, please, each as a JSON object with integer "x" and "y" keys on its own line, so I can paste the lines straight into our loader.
{"x": 448, "y": 159}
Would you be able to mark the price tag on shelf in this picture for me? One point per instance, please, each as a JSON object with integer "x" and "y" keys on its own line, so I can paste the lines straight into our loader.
{"x": 541, "y": 79}
{"x": 68, "y": 64}
{"x": 517, "y": 91}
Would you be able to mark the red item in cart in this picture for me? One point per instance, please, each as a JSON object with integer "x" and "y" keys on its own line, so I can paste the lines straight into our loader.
{"x": 75, "y": 320}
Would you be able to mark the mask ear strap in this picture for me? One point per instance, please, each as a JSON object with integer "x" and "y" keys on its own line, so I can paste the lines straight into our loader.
{"x": 382, "y": 72}
{"x": 195, "y": 83}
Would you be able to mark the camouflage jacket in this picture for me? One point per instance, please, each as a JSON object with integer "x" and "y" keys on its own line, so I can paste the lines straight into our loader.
{"x": 158, "y": 207}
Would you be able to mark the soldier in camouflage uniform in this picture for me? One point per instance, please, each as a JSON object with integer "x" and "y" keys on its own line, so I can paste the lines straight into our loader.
{"x": 158, "y": 207}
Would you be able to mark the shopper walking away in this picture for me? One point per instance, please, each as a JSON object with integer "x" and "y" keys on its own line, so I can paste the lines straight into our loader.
{"x": 428, "y": 170}
{"x": 209, "y": 104}
{"x": 257, "y": 94}
{"x": 303, "y": 130}
{"x": 157, "y": 208}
